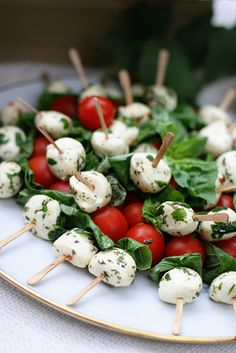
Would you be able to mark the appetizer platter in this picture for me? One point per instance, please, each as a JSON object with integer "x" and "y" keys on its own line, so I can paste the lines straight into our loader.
{"x": 118, "y": 206}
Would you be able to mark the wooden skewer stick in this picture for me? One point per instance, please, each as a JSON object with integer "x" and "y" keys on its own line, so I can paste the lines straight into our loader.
{"x": 124, "y": 79}
{"x": 213, "y": 217}
{"x": 77, "y": 63}
{"x": 231, "y": 128}
{"x": 222, "y": 188}
{"x": 15, "y": 235}
{"x": 48, "y": 137}
{"x": 40, "y": 275}
{"x": 228, "y": 99}
{"x": 234, "y": 304}
{"x": 178, "y": 316}
{"x": 27, "y": 105}
{"x": 101, "y": 117}
{"x": 83, "y": 180}
{"x": 80, "y": 295}
{"x": 165, "y": 144}
{"x": 162, "y": 63}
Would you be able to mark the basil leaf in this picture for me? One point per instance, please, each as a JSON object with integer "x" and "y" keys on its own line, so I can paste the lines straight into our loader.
{"x": 217, "y": 262}
{"x": 26, "y": 147}
{"x": 78, "y": 218}
{"x": 26, "y": 121}
{"x": 220, "y": 229}
{"x": 121, "y": 165}
{"x": 104, "y": 166}
{"x": 188, "y": 117}
{"x": 193, "y": 261}
{"x": 196, "y": 175}
{"x": 92, "y": 161}
{"x": 58, "y": 229}
{"x": 192, "y": 147}
{"x": 141, "y": 253}
{"x": 179, "y": 214}
{"x": 118, "y": 192}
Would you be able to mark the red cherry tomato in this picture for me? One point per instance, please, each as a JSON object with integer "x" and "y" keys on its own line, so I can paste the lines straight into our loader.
{"x": 228, "y": 245}
{"x": 157, "y": 144}
{"x": 66, "y": 105}
{"x": 226, "y": 201}
{"x": 40, "y": 146}
{"x": 61, "y": 186}
{"x": 111, "y": 221}
{"x": 133, "y": 213}
{"x": 131, "y": 198}
{"x": 42, "y": 174}
{"x": 148, "y": 235}
{"x": 184, "y": 245}
{"x": 173, "y": 183}
{"x": 88, "y": 115}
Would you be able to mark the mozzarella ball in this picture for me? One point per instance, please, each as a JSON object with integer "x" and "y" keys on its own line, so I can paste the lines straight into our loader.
{"x": 176, "y": 218}
{"x": 116, "y": 265}
{"x": 138, "y": 112}
{"x": 44, "y": 213}
{"x": 58, "y": 87}
{"x": 223, "y": 288}
{"x": 128, "y": 134}
{"x": 93, "y": 90}
{"x": 78, "y": 245}
{"x": 55, "y": 123}
{"x": 218, "y": 138}
{"x": 10, "y": 179}
{"x": 113, "y": 145}
{"x": 210, "y": 113}
{"x": 180, "y": 282}
{"x": 145, "y": 176}
{"x": 208, "y": 229}
{"x": 11, "y": 111}
{"x": 137, "y": 90}
{"x": 11, "y": 139}
{"x": 113, "y": 93}
{"x": 226, "y": 165}
{"x": 146, "y": 148}
{"x": 161, "y": 96}
{"x": 91, "y": 200}
{"x": 64, "y": 165}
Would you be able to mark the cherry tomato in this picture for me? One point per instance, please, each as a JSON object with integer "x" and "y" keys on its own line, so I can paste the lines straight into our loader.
{"x": 111, "y": 221}
{"x": 66, "y": 105}
{"x": 42, "y": 174}
{"x": 157, "y": 144}
{"x": 148, "y": 235}
{"x": 133, "y": 213}
{"x": 131, "y": 197}
{"x": 61, "y": 186}
{"x": 88, "y": 115}
{"x": 228, "y": 245}
{"x": 173, "y": 183}
{"x": 226, "y": 201}
{"x": 184, "y": 245}
{"x": 40, "y": 146}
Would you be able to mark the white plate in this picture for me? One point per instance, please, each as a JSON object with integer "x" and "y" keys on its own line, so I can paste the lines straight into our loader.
{"x": 135, "y": 310}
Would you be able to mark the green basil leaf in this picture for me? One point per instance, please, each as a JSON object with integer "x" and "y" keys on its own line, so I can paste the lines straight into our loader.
{"x": 141, "y": 253}
{"x": 192, "y": 147}
{"x": 118, "y": 191}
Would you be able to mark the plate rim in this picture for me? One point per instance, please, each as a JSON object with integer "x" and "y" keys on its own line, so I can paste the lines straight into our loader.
{"x": 109, "y": 326}
{"x": 86, "y": 318}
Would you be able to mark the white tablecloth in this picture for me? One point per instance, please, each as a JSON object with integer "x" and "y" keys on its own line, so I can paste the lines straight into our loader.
{"x": 27, "y": 326}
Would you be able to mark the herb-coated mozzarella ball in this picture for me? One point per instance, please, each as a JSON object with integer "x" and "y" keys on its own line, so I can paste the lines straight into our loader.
{"x": 11, "y": 140}
{"x": 55, "y": 123}
{"x": 128, "y": 134}
{"x": 176, "y": 218}
{"x": 93, "y": 90}
{"x": 11, "y": 111}
{"x": 213, "y": 231}
{"x": 161, "y": 96}
{"x": 146, "y": 148}
{"x": 91, "y": 200}
{"x": 116, "y": 265}
{"x": 145, "y": 176}
{"x": 78, "y": 245}
{"x": 44, "y": 213}
{"x": 10, "y": 179}
{"x": 210, "y": 113}
{"x": 218, "y": 138}
{"x": 223, "y": 288}
{"x": 64, "y": 165}
{"x": 138, "y": 112}
{"x": 182, "y": 283}
{"x": 112, "y": 145}
{"x": 226, "y": 165}
{"x": 58, "y": 87}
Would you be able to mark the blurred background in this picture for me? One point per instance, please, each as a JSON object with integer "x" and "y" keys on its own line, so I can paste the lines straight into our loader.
{"x": 126, "y": 33}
